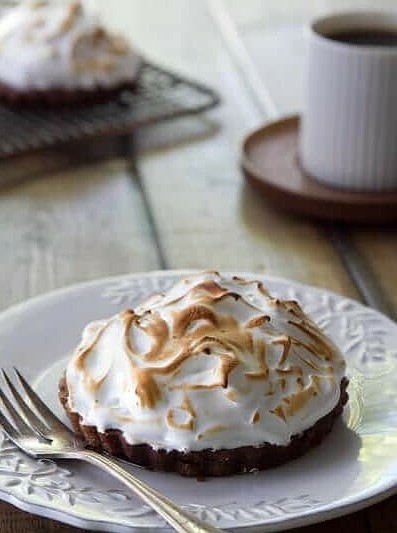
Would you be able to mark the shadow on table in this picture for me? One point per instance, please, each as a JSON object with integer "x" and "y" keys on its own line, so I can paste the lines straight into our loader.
{"x": 165, "y": 136}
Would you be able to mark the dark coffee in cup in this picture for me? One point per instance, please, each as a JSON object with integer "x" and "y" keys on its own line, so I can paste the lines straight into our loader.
{"x": 366, "y": 37}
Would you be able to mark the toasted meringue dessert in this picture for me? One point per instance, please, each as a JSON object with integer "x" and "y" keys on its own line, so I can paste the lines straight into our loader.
{"x": 214, "y": 377}
{"x": 57, "y": 51}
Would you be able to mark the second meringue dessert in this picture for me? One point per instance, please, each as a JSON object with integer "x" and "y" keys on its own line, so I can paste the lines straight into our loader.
{"x": 214, "y": 377}
{"x": 58, "y": 52}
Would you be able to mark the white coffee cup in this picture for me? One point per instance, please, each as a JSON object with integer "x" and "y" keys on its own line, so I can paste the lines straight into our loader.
{"x": 348, "y": 135}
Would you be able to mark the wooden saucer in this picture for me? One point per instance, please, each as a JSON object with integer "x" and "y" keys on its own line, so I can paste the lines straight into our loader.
{"x": 270, "y": 164}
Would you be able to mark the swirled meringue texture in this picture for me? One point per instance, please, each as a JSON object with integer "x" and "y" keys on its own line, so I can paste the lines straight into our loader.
{"x": 60, "y": 44}
{"x": 213, "y": 363}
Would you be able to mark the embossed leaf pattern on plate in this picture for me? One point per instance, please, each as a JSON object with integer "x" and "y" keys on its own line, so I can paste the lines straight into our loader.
{"x": 128, "y": 292}
{"x": 360, "y": 333}
{"x": 45, "y": 480}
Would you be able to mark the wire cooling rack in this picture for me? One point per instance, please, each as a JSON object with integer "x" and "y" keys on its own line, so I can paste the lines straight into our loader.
{"x": 159, "y": 95}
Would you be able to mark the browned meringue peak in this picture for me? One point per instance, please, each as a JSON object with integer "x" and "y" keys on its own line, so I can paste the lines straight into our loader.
{"x": 208, "y": 341}
{"x": 61, "y": 44}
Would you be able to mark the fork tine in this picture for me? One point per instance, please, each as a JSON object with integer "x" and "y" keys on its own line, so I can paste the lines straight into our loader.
{"x": 19, "y": 422}
{"x": 8, "y": 428}
{"x": 50, "y": 419}
{"x": 34, "y": 422}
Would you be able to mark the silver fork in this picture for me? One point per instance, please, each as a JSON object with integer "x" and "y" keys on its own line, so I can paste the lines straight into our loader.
{"x": 45, "y": 436}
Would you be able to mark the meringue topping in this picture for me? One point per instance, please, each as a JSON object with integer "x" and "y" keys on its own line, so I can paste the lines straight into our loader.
{"x": 213, "y": 363}
{"x": 54, "y": 44}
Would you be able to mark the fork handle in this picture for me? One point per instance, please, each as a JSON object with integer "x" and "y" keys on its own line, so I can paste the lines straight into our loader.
{"x": 181, "y": 520}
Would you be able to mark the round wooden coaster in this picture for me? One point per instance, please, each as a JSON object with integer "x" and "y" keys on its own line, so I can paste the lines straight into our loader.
{"x": 270, "y": 164}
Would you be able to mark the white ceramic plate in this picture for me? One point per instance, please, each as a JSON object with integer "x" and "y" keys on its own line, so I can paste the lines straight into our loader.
{"x": 355, "y": 466}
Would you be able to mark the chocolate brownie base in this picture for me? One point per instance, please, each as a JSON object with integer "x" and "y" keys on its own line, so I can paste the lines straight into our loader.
{"x": 60, "y": 97}
{"x": 205, "y": 463}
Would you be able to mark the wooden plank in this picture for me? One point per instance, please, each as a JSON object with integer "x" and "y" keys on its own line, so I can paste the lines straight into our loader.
{"x": 361, "y": 270}
{"x": 205, "y": 217}
{"x": 72, "y": 226}
{"x": 47, "y": 162}
{"x": 383, "y": 516}
{"x": 379, "y": 247}
{"x": 253, "y": 14}
{"x": 347, "y": 524}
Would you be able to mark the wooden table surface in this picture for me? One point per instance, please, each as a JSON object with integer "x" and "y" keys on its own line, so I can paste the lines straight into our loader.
{"x": 185, "y": 205}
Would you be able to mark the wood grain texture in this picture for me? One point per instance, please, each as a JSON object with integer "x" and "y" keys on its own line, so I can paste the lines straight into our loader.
{"x": 383, "y": 517}
{"x": 379, "y": 247}
{"x": 204, "y": 215}
{"x": 69, "y": 227}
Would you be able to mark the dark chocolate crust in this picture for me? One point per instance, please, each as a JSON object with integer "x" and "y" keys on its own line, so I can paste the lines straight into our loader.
{"x": 60, "y": 97}
{"x": 205, "y": 463}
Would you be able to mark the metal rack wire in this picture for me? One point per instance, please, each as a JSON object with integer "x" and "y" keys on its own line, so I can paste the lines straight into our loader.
{"x": 159, "y": 95}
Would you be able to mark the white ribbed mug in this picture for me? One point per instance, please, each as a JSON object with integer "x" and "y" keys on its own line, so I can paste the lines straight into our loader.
{"x": 348, "y": 134}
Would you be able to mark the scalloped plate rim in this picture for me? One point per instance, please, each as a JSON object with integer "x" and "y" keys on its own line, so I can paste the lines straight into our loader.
{"x": 61, "y": 291}
{"x": 326, "y": 511}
